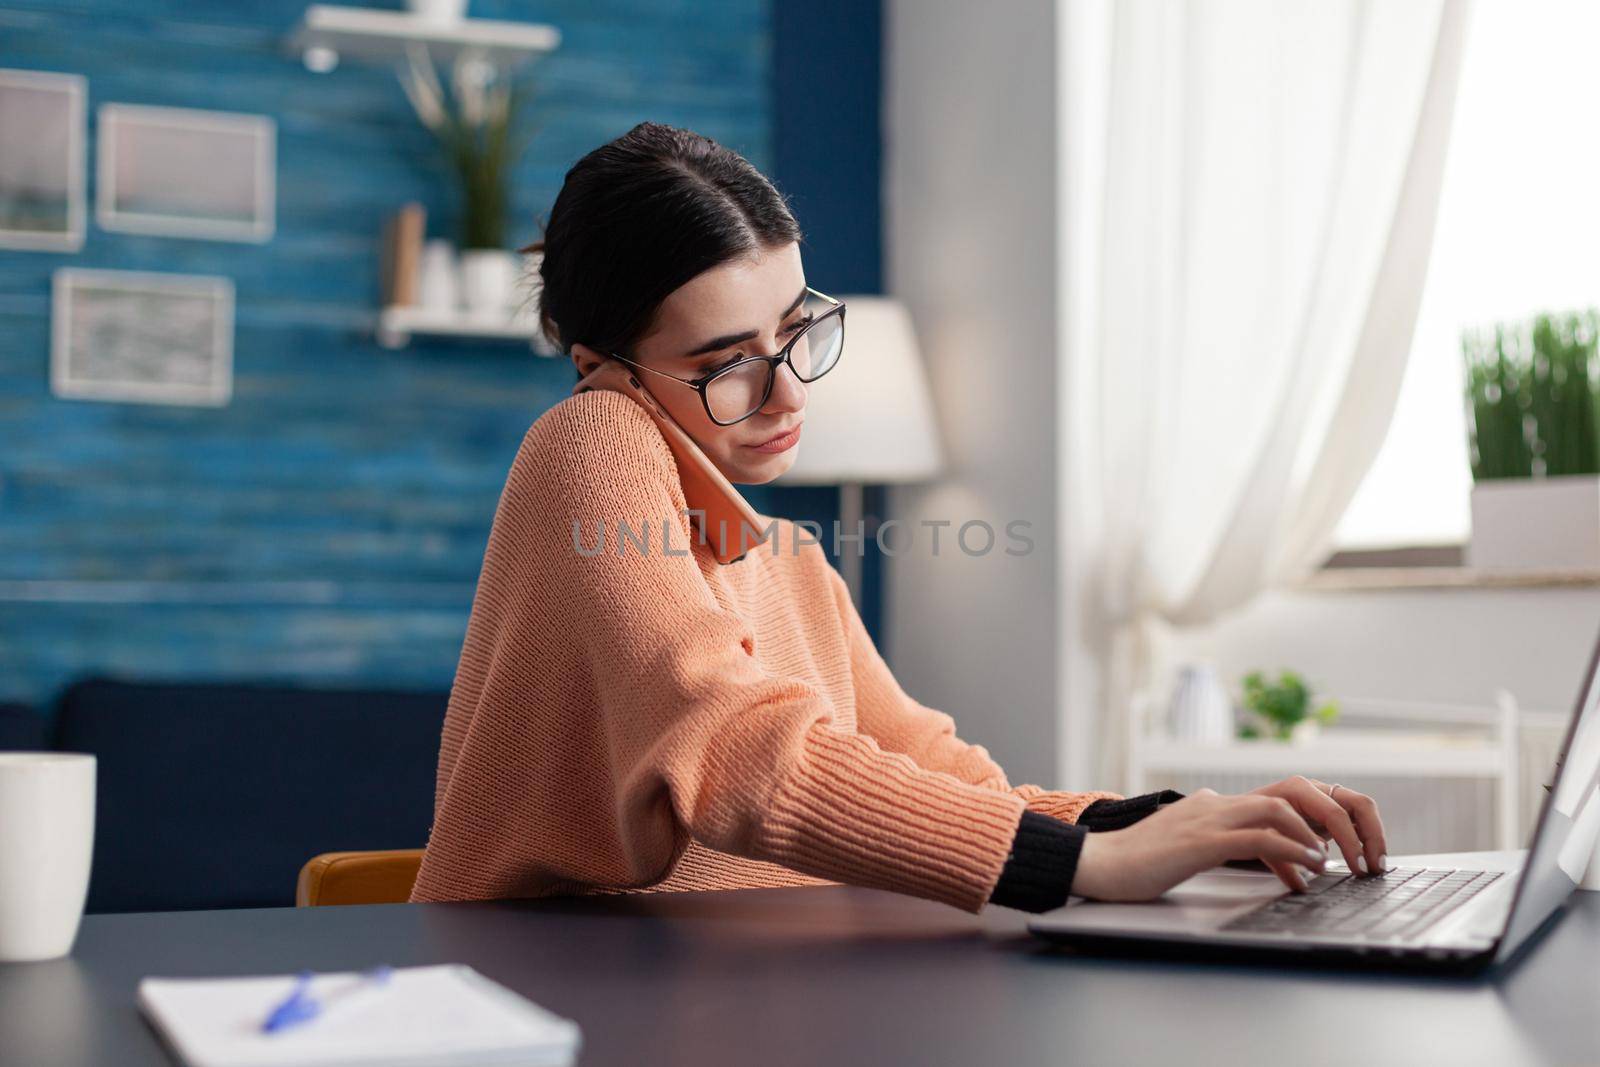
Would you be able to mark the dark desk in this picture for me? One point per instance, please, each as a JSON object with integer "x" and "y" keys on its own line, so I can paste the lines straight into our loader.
{"x": 828, "y": 975}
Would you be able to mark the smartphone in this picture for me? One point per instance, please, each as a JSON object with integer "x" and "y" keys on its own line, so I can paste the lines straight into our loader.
{"x": 727, "y": 524}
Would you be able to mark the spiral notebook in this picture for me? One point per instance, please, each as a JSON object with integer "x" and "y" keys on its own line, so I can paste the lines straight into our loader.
{"x": 436, "y": 1016}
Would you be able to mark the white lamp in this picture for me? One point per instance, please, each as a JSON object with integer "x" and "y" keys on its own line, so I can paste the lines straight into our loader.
{"x": 868, "y": 420}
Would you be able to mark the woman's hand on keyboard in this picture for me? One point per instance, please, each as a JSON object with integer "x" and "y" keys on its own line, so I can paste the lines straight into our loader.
{"x": 1204, "y": 829}
{"x": 1350, "y": 818}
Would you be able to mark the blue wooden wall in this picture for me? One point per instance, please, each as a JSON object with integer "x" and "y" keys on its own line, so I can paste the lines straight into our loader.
{"x": 328, "y": 525}
{"x": 827, "y": 149}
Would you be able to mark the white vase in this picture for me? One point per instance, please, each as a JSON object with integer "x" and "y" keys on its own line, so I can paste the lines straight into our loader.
{"x": 438, "y": 10}
{"x": 1536, "y": 523}
{"x": 438, "y": 288}
{"x": 1201, "y": 709}
{"x": 488, "y": 279}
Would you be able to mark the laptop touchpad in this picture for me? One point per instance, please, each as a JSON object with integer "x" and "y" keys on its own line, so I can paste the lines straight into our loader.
{"x": 1203, "y": 902}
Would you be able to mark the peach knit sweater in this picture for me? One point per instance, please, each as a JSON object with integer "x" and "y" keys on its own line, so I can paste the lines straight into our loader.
{"x": 652, "y": 720}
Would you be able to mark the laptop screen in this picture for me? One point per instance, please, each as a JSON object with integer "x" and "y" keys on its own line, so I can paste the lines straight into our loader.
{"x": 1568, "y": 822}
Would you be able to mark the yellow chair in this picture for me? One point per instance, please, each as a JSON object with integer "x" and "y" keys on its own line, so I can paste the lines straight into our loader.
{"x": 358, "y": 878}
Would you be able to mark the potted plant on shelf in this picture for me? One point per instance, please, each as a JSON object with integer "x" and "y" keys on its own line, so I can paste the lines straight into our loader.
{"x": 1282, "y": 709}
{"x": 478, "y": 124}
{"x": 1532, "y": 390}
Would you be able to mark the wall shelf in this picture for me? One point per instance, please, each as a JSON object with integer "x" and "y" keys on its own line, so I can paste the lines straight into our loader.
{"x": 327, "y": 33}
{"x": 1358, "y": 579}
{"x": 397, "y": 325}
{"x": 1349, "y": 752}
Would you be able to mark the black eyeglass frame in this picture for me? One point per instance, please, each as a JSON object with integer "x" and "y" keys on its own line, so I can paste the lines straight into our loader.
{"x": 702, "y": 384}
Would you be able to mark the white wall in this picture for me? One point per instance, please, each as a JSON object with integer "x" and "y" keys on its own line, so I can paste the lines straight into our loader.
{"x": 970, "y": 200}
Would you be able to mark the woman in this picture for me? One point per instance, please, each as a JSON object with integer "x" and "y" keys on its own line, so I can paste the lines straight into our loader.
{"x": 634, "y": 716}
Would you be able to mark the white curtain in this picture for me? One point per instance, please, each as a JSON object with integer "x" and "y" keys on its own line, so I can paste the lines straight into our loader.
{"x": 1251, "y": 199}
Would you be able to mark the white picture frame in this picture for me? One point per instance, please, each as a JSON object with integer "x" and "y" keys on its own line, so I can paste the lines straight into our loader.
{"x": 42, "y": 200}
{"x": 141, "y": 336}
{"x": 182, "y": 172}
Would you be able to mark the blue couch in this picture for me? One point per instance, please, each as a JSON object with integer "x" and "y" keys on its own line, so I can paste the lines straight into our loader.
{"x": 213, "y": 795}
{"x": 23, "y": 728}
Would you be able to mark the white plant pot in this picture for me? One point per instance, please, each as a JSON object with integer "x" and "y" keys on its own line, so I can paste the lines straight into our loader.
{"x": 1305, "y": 731}
{"x": 438, "y": 286}
{"x": 488, "y": 279}
{"x": 438, "y": 10}
{"x": 1536, "y": 524}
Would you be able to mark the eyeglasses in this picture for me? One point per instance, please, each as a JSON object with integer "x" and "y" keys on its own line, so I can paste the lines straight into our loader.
{"x": 734, "y": 392}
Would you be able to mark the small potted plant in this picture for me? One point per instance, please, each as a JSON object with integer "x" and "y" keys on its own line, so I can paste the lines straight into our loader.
{"x": 478, "y": 124}
{"x": 1282, "y": 709}
{"x": 1533, "y": 390}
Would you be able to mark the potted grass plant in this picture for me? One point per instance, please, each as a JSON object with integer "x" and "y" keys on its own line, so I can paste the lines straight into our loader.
{"x": 478, "y": 122}
{"x": 1532, "y": 399}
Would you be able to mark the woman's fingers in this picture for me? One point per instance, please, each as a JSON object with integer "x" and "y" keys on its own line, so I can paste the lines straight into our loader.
{"x": 1271, "y": 830}
{"x": 1363, "y": 810}
{"x": 1292, "y": 875}
{"x": 1312, "y": 800}
{"x": 1273, "y": 848}
{"x": 1260, "y": 809}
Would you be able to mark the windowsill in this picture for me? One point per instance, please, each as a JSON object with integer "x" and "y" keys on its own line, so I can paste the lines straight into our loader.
{"x": 1432, "y": 567}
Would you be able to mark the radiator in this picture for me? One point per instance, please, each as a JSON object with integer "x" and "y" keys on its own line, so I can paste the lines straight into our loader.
{"x": 1435, "y": 814}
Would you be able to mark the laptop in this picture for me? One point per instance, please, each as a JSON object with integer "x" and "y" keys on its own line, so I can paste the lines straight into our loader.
{"x": 1448, "y": 918}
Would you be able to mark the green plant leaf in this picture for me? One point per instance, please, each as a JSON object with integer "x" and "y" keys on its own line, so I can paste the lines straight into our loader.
{"x": 1284, "y": 703}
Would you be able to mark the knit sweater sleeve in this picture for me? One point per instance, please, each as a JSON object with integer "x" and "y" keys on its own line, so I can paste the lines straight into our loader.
{"x": 702, "y": 741}
{"x": 900, "y": 723}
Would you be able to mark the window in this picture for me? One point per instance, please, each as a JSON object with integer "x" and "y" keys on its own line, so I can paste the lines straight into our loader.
{"x": 1518, "y": 232}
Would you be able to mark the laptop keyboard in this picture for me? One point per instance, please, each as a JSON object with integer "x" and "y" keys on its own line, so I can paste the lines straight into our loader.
{"x": 1397, "y": 904}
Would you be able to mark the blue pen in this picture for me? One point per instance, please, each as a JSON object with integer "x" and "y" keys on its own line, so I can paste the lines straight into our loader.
{"x": 301, "y": 1007}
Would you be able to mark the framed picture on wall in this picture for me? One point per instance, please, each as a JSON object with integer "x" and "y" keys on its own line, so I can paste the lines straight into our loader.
{"x": 178, "y": 172}
{"x": 41, "y": 160}
{"x": 144, "y": 337}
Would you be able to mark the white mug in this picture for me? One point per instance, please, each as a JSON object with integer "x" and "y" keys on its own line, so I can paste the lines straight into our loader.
{"x": 46, "y": 842}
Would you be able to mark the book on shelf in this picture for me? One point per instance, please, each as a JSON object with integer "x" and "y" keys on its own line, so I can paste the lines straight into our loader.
{"x": 402, "y": 255}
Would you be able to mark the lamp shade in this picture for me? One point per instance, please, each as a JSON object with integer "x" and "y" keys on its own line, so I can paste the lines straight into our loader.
{"x": 870, "y": 419}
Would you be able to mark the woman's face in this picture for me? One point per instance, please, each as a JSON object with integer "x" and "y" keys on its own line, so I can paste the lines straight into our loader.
{"x": 747, "y": 307}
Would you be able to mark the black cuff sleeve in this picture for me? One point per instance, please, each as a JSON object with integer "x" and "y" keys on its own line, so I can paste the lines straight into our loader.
{"x": 1038, "y": 872}
{"x": 1115, "y": 814}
